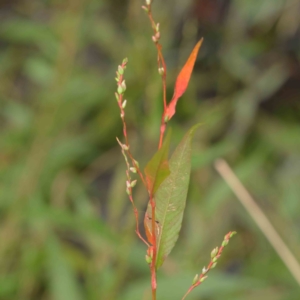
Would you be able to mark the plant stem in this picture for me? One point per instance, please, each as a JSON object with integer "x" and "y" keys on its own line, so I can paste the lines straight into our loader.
{"x": 161, "y": 64}
{"x": 125, "y": 148}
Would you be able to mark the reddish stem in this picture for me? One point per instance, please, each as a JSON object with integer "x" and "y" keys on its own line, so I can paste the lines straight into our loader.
{"x": 162, "y": 131}
{"x": 161, "y": 63}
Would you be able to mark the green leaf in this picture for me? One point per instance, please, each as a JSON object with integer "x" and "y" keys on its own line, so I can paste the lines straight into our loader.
{"x": 171, "y": 196}
{"x": 157, "y": 169}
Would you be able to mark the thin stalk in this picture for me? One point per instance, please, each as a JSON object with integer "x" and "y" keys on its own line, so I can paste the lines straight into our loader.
{"x": 125, "y": 147}
{"x": 215, "y": 255}
{"x": 161, "y": 64}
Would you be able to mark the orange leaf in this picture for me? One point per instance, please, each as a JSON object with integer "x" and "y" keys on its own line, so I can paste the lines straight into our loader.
{"x": 182, "y": 81}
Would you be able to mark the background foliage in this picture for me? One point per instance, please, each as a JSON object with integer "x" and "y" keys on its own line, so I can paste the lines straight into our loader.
{"x": 66, "y": 225}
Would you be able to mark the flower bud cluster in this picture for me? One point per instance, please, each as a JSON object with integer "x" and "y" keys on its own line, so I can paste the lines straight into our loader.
{"x": 156, "y": 37}
{"x": 214, "y": 255}
{"x": 120, "y": 82}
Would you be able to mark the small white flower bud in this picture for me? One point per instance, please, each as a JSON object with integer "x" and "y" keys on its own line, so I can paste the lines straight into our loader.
{"x": 124, "y": 104}
{"x": 214, "y": 252}
{"x": 225, "y": 243}
{"x": 157, "y": 27}
{"x": 123, "y": 85}
{"x": 148, "y": 259}
{"x": 133, "y": 183}
{"x": 120, "y": 70}
{"x": 124, "y": 147}
{"x": 120, "y": 90}
{"x": 195, "y": 279}
{"x": 161, "y": 71}
{"x": 145, "y": 9}
{"x": 132, "y": 169}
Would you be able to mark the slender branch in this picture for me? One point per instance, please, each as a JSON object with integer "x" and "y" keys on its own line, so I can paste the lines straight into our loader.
{"x": 162, "y": 68}
{"x": 215, "y": 255}
{"x": 160, "y": 57}
{"x": 125, "y": 147}
{"x": 129, "y": 185}
{"x": 260, "y": 218}
{"x": 122, "y": 104}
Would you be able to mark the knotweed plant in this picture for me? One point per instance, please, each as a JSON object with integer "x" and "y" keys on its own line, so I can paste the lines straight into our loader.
{"x": 166, "y": 180}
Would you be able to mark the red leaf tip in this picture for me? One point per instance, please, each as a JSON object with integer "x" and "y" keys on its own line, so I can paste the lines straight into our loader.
{"x": 182, "y": 81}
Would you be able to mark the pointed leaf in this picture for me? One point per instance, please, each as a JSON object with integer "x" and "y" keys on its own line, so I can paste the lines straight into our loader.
{"x": 157, "y": 169}
{"x": 182, "y": 81}
{"x": 170, "y": 198}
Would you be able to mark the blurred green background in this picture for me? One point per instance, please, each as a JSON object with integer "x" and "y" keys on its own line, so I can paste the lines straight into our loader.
{"x": 66, "y": 224}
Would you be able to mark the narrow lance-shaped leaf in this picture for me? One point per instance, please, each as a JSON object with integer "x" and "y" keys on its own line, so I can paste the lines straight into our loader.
{"x": 170, "y": 198}
{"x": 157, "y": 169}
{"x": 182, "y": 81}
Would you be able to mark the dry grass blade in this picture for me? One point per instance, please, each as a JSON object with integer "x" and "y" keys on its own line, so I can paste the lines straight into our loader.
{"x": 259, "y": 217}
